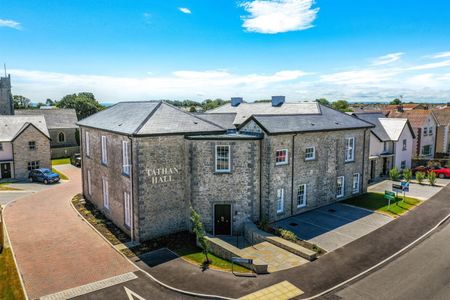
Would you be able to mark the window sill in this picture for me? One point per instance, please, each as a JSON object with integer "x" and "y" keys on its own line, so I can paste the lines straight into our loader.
{"x": 280, "y": 212}
{"x": 104, "y": 164}
{"x": 310, "y": 159}
{"x": 222, "y": 172}
{"x": 349, "y": 161}
{"x": 301, "y": 206}
{"x": 339, "y": 196}
{"x": 281, "y": 164}
{"x": 125, "y": 175}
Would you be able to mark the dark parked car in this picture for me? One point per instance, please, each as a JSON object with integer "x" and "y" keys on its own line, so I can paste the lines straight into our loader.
{"x": 76, "y": 160}
{"x": 43, "y": 175}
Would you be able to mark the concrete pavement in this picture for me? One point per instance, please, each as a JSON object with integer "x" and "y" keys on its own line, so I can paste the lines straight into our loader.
{"x": 421, "y": 273}
{"x": 54, "y": 248}
{"x": 419, "y": 191}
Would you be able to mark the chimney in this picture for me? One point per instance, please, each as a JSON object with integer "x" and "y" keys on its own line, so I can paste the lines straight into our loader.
{"x": 235, "y": 101}
{"x": 278, "y": 100}
{"x": 400, "y": 108}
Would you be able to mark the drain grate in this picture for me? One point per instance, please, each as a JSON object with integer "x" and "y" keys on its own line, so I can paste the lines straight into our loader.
{"x": 332, "y": 210}
{"x": 293, "y": 224}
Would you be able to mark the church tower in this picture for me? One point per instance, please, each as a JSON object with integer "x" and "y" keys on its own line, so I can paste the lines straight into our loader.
{"x": 6, "y": 100}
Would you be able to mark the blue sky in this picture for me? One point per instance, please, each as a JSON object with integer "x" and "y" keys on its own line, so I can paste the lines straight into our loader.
{"x": 137, "y": 50}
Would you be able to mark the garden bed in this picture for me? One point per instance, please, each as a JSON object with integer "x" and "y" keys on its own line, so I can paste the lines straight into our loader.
{"x": 10, "y": 287}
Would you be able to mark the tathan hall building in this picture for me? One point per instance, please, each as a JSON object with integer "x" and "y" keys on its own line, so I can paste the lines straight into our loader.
{"x": 146, "y": 163}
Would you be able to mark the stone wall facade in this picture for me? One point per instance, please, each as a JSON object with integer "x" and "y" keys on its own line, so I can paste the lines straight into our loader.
{"x": 23, "y": 155}
{"x": 68, "y": 146}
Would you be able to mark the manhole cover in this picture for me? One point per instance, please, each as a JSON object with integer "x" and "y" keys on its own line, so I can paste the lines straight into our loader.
{"x": 332, "y": 210}
{"x": 293, "y": 224}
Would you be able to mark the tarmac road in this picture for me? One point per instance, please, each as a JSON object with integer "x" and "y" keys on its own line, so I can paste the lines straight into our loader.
{"x": 421, "y": 273}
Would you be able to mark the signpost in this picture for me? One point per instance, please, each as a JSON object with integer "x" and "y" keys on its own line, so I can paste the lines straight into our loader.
{"x": 405, "y": 188}
{"x": 390, "y": 196}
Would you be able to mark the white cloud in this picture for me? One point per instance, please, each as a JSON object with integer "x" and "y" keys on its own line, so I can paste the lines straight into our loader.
{"x": 195, "y": 85}
{"x": 441, "y": 55}
{"x": 275, "y": 16}
{"x": 387, "y": 59}
{"x": 184, "y": 10}
{"x": 361, "y": 76}
{"x": 10, "y": 23}
{"x": 441, "y": 64}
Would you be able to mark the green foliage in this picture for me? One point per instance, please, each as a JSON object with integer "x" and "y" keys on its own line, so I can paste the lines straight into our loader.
{"x": 199, "y": 231}
{"x": 84, "y": 104}
{"x": 287, "y": 235}
{"x": 431, "y": 176}
{"x": 396, "y": 101}
{"x": 192, "y": 109}
{"x": 407, "y": 174}
{"x": 341, "y": 105}
{"x": 323, "y": 101}
{"x": 394, "y": 174}
{"x": 420, "y": 176}
{"x": 21, "y": 102}
{"x": 50, "y": 102}
{"x": 211, "y": 104}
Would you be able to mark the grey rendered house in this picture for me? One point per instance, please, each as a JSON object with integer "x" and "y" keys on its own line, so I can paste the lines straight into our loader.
{"x": 241, "y": 163}
{"x": 24, "y": 145}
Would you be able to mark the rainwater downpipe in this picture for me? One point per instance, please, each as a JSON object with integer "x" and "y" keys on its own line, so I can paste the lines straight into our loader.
{"x": 292, "y": 174}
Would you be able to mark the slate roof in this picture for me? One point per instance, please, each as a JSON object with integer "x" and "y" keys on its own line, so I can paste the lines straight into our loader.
{"x": 12, "y": 126}
{"x": 142, "y": 118}
{"x": 442, "y": 116}
{"x": 55, "y": 118}
{"x": 245, "y": 110}
{"x": 374, "y": 118}
{"x": 224, "y": 120}
{"x": 327, "y": 119}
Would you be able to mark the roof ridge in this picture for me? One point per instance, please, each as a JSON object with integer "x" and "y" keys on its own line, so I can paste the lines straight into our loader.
{"x": 147, "y": 117}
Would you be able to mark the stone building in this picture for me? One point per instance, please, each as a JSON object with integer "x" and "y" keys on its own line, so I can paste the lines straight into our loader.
{"x": 391, "y": 143}
{"x": 61, "y": 124}
{"x": 239, "y": 163}
{"x": 442, "y": 131}
{"x": 24, "y": 145}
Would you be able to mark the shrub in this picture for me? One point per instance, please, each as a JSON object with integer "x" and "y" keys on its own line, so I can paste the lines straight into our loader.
{"x": 394, "y": 174}
{"x": 420, "y": 176}
{"x": 198, "y": 229}
{"x": 287, "y": 235}
{"x": 407, "y": 174}
{"x": 432, "y": 178}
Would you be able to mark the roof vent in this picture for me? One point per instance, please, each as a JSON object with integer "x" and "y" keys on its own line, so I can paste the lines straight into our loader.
{"x": 278, "y": 100}
{"x": 235, "y": 101}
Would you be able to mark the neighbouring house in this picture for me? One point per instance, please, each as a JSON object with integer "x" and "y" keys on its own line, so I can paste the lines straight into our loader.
{"x": 405, "y": 106}
{"x": 24, "y": 145}
{"x": 442, "y": 132}
{"x": 391, "y": 143}
{"x": 61, "y": 124}
{"x": 239, "y": 163}
{"x": 424, "y": 124}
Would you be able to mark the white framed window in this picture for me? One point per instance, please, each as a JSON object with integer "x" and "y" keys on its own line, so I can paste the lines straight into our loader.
{"x": 125, "y": 158}
{"x": 33, "y": 165}
{"x": 281, "y": 157}
{"x": 126, "y": 207}
{"x": 89, "y": 182}
{"x": 280, "y": 200}
{"x": 301, "y": 195}
{"x": 426, "y": 150}
{"x": 105, "y": 193}
{"x": 87, "y": 143}
{"x": 356, "y": 180}
{"x": 425, "y": 131}
{"x": 404, "y": 145}
{"x": 350, "y": 149}
{"x": 430, "y": 130}
{"x": 403, "y": 164}
{"x": 310, "y": 153}
{"x": 223, "y": 158}
{"x": 340, "y": 186}
{"x": 104, "y": 151}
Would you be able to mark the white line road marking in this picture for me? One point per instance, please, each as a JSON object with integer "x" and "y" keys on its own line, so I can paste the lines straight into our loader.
{"x": 132, "y": 295}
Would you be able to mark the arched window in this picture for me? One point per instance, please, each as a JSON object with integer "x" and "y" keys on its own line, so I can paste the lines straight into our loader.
{"x": 61, "y": 137}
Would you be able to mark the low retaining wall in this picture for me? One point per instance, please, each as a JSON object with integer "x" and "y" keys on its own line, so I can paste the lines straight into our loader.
{"x": 64, "y": 151}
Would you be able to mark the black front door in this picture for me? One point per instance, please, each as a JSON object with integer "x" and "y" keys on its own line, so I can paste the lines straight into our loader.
{"x": 372, "y": 169}
{"x": 385, "y": 166}
{"x": 5, "y": 170}
{"x": 222, "y": 219}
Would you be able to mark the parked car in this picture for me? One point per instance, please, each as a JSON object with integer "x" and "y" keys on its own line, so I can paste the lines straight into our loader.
{"x": 43, "y": 175}
{"x": 441, "y": 172}
{"x": 76, "y": 160}
{"x": 420, "y": 169}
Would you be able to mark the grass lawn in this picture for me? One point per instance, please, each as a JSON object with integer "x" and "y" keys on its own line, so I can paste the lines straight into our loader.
{"x": 60, "y": 161}
{"x": 376, "y": 202}
{"x": 10, "y": 288}
{"x": 5, "y": 187}
{"x": 61, "y": 175}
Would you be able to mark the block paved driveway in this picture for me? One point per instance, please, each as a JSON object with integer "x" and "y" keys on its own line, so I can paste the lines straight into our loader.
{"x": 54, "y": 248}
{"x": 333, "y": 226}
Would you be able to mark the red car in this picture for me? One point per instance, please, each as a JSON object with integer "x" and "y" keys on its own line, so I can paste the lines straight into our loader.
{"x": 441, "y": 172}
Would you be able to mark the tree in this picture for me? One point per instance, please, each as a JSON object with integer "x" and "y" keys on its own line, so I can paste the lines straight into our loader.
{"x": 211, "y": 104}
{"x": 197, "y": 228}
{"x": 394, "y": 174}
{"x": 407, "y": 174}
{"x": 84, "y": 104}
{"x": 341, "y": 105}
{"x": 396, "y": 101}
{"x": 420, "y": 176}
{"x": 50, "y": 102}
{"x": 192, "y": 109}
{"x": 431, "y": 176}
{"x": 323, "y": 101}
{"x": 21, "y": 102}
